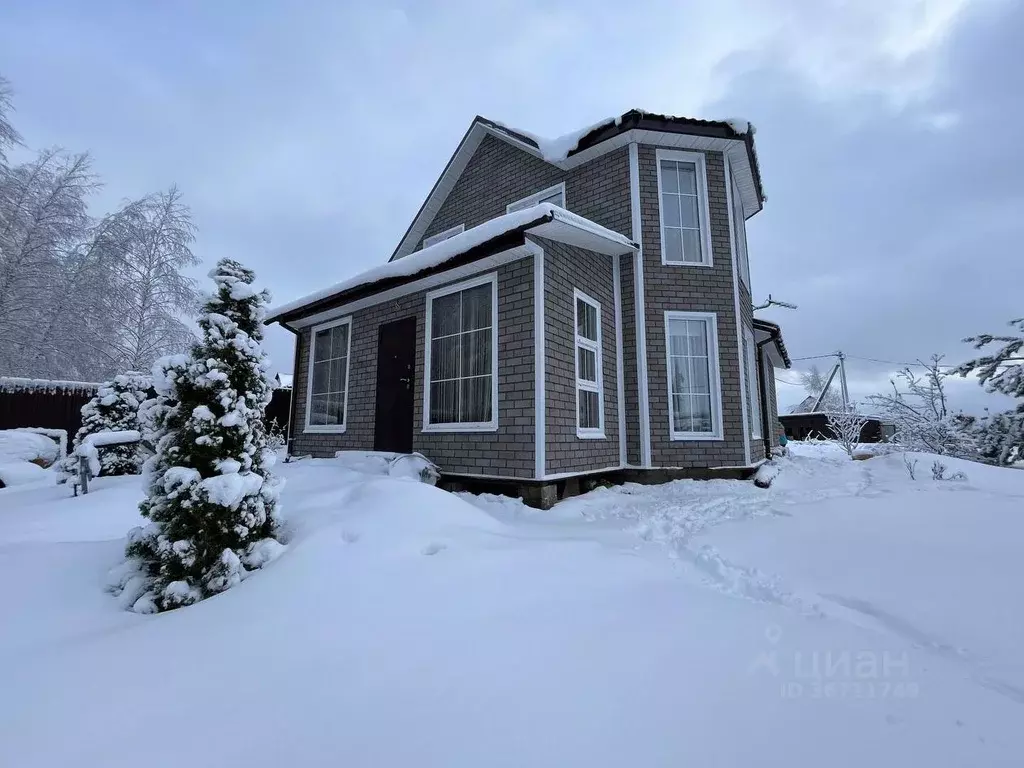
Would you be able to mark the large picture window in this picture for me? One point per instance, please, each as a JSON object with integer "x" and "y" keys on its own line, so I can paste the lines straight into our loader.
{"x": 462, "y": 357}
{"x": 327, "y": 391}
{"x": 753, "y": 390}
{"x": 695, "y": 403}
{"x": 589, "y": 377}
{"x": 683, "y": 206}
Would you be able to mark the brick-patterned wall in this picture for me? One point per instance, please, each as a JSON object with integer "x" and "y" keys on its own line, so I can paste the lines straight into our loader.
{"x": 509, "y": 452}
{"x": 499, "y": 174}
{"x": 629, "y": 372}
{"x": 567, "y": 268}
{"x": 699, "y": 289}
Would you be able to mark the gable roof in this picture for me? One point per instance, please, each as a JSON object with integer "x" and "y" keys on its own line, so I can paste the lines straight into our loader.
{"x": 735, "y": 137}
{"x": 503, "y": 232}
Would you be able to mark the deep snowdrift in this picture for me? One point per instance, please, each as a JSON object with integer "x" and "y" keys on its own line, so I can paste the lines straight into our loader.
{"x": 406, "y": 626}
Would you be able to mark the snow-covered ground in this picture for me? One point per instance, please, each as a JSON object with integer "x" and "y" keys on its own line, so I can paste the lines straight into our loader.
{"x": 847, "y": 616}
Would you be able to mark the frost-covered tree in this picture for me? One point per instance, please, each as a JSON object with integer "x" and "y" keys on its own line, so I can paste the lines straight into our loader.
{"x": 211, "y": 497}
{"x": 919, "y": 409}
{"x": 114, "y": 408}
{"x": 813, "y": 381}
{"x": 8, "y": 136}
{"x": 1001, "y": 371}
{"x": 846, "y": 428}
{"x": 152, "y": 297}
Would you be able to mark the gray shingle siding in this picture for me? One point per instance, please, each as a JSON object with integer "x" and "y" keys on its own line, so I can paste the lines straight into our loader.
{"x": 499, "y": 174}
{"x": 629, "y": 371}
{"x": 696, "y": 289}
{"x": 567, "y": 268}
{"x": 509, "y": 452}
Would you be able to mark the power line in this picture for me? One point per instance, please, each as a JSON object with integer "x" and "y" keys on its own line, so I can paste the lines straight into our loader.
{"x": 811, "y": 357}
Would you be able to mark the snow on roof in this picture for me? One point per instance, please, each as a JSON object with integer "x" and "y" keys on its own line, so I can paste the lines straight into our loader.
{"x": 558, "y": 149}
{"x": 284, "y": 380}
{"x": 17, "y": 384}
{"x": 439, "y": 253}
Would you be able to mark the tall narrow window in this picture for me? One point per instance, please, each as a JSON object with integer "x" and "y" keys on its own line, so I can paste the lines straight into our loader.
{"x": 589, "y": 377}
{"x": 462, "y": 357}
{"x": 753, "y": 390}
{"x": 554, "y": 195}
{"x": 693, "y": 378}
{"x": 328, "y": 377}
{"x": 682, "y": 190}
{"x": 739, "y": 235}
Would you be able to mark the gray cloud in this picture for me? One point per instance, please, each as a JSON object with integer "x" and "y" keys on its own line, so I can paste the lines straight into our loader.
{"x": 306, "y": 141}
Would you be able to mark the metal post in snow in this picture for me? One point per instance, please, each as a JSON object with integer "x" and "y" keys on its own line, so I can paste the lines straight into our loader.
{"x": 842, "y": 381}
{"x": 83, "y": 474}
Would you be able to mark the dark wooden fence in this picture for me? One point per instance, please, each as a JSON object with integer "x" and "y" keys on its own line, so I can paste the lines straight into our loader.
{"x": 814, "y": 426}
{"x": 58, "y": 404}
{"x": 49, "y": 404}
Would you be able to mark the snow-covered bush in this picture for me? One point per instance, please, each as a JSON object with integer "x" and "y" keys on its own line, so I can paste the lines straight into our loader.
{"x": 114, "y": 408}
{"x": 846, "y": 427}
{"x": 918, "y": 408}
{"x": 211, "y": 498}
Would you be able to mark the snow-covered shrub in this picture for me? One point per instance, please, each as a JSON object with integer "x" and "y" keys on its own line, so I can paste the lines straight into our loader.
{"x": 911, "y": 466}
{"x": 114, "y": 408}
{"x": 938, "y": 470}
{"x": 918, "y": 408}
{"x": 30, "y": 444}
{"x": 846, "y": 427}
{"x": 211, "y": 497}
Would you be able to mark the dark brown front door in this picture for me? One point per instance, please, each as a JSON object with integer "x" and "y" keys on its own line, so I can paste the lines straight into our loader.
{"x": 396, "y": 368}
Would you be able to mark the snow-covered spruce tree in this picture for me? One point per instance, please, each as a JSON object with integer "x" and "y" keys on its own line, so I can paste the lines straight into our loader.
{"x": 211, "y": 497}
{"x": 114, "y": 408}
{"x": 1002, "y": 371}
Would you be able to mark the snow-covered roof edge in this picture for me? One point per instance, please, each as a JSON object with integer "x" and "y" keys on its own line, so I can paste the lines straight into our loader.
{"x": 18, "y": 384}
{"x": 439, "y": 253}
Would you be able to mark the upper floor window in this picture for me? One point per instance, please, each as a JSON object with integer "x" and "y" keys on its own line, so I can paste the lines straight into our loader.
{"x": 589, "y": 378}
{"x": 683, "y": 204}
{"x": 440, "y": 236}
{"x": 739, "y": 235}
{"x": 694, "y": 394}
{"x": 554, "y": 195}
{"x": 461, "y": 354}
{"x": 326, "y": 396}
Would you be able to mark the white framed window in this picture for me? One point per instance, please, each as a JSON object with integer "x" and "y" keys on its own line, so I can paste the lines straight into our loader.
{"x": 554, "y": 195}
{"x": 441, "y": 236}
{"x": 589, "y": 374}
{"x": 327, "y": 386}
{"x": 694, "y": 388}
{"x": 739, "y": 234}
{"x": 683, "y": 207}
{"x": 753, "y": 390}
{"x": 461, "y": 357}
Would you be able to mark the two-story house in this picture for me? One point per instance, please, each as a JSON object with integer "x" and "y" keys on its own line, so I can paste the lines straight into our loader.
{"x": 556, "y": 309}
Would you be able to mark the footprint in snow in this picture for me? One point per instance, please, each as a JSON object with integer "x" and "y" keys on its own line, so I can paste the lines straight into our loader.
{"x": 349, "y": 537}
{"x": 433, "y": 548}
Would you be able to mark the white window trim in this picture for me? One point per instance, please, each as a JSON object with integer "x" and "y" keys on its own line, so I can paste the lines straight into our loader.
{"x": 702, "y": 201}
{"x": 336, "y": 429}
{"x": 442, "y": 236}
{"x": 739, "y": 232}
{"x": 588, "y": 433}
{"x": 476, "y": 426}
{"x": 533, "y": 199}
{"x": 714, "y": 370}
{"x": 750, "y": 363}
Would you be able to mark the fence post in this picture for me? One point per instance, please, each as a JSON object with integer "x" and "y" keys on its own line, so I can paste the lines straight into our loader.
{"x": 83, "y": 473}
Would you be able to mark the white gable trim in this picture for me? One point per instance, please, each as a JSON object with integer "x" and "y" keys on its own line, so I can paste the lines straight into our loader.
{"x": 735, "y": 149}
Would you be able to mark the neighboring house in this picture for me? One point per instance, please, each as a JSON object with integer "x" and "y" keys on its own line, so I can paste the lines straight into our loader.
{"x": 814, "y": 426}
{"x": 525, "y": 328}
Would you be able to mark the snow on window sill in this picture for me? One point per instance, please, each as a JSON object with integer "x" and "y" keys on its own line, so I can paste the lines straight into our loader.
{"x": 695, "y": 436}
{"x": 590, "y": 434}
{"x": 667, "y": 263}
{"x": 475, "y": 427}
{"x": 328, "y": 429}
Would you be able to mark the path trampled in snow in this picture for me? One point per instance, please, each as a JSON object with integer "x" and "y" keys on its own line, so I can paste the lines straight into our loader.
{"x": 844, "y": 617}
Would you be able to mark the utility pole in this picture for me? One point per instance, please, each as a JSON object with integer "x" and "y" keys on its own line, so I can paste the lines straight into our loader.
{"x": 842, "y": 381}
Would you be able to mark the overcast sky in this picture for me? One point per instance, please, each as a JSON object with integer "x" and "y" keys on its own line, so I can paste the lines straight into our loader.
{"x": 305, "y": 135}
